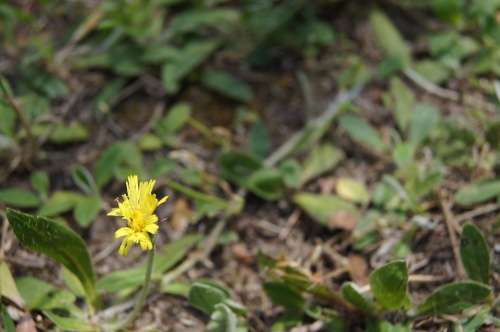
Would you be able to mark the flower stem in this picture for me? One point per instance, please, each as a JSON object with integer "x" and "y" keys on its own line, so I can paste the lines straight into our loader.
{"x": 144, "y": 292}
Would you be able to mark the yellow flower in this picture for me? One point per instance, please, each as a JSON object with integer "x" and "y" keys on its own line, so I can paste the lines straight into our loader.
{"x": 137, "y": 208}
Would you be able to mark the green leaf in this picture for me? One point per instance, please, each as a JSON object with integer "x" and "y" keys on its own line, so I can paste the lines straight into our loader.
{"x": 185, "y": 61}
{"x": 69, "y": 323}
{"x": 389, "y": 285}
{"x": 86, "y": 210}
{"x": 454, "y": 297}
{"x": 404, "y": 100}
{"x": 59, "y": 202}
{"x": 7, "y": 119}
{"x": 72, "y": 282}
{"x": 84, "y": 179}
{"x": 238, "y": 166}
{"x": 41, "y": 183}
{"x": 118, "y": 158}
{"x": 362, "y": 132}
{"x": 73, "y": 133}
{"x": 176, "y": 118}
{"x": 205, "y": 296}
{"x": 433, "y": 71}
{"x": 322, "y": 159}
{"x": 227, "y": 85}
{"x": 41, "y": 295}
{"x": 8, "y": 287}
{"x": 197, "y": 19}
{"x": 259, "y": 140}
{"x": 176, "y": 288}
{"x": 475, "y": 254}
{"x": 19, "y": 198}
{"x": 58, "y": 242}
{"x": 323, "y": 208}
{"x": 7, "y": 322}
{"x": 424, "y": 119}
{"x": 403, "y": 154}
{"x": 479, "y": 192}
{"x": 354, "y": 297}
{"x": 389, "y": 38}
{"x": 282, "y": 294}
{"x": 266, "y": 183}
{"x": 352, "y": 190}
{"x": 222, "y": 320}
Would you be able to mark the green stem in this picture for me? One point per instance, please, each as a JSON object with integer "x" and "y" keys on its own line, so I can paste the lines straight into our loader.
{"x": 144, "y": 292}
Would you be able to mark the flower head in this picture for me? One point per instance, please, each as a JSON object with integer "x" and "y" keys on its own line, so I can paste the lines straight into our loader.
{"x": 137, "y": 207}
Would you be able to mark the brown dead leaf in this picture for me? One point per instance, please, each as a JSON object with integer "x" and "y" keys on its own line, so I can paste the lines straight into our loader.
{"x": 345, "y": 220}
{"x": 358, "y": 269}
{"x": 242, "y": 254}
{"x": 180, "y": 215}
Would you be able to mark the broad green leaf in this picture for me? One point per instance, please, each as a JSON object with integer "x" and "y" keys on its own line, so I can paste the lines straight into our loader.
{"x": 362, "y": 132}
{"x": 323, "y": 208}
{"x": 86, "y": 210}
{"x": 59, "y": 202}
{"x": 352, "y": 190}
{"x": 389, "y": 38}
{"x": 475, "y": 254}
{"x": 385, "y": 326}
{"x": 354, "y": 297}
{"x": 322, "y": 159}
{"x": 150, "y": 142}
{"x": 8, "y": 287}
{"x": 423, "y": 120}
{"x": 455, "y": 297}
{"x": 177, "y": 116}
{"x": 266, "y": 183}
{"x": 259, "y": 140}
{"x": 433, "y": 71}
{"x": 185, "y": 61}
{"x": 389, "y": 285}
{"x": 226, "y": 84}
{"x": 222, "y": 320}
{"x": 118, "y": 158}
{"x": 284, "y": 295}
{"x": 69, "y": 323}
{"x": 291, "y": 171}
{"x": 72, "y": 282}
{"x": 73, "y": 133}
{"x": 7, "y": 322}
{"x": 7, "y": 118}
{"x": 204, "y": 296}
{"x": 84, "y": 179}
{"x": 19, "y": 198}
{"x": 41, "y": 183}
{"x": 403, "y": 154}
{"x": 479, "y": 192}
{"x": 238, "y": 166}
{"x": 404, "y": 101}
{"x": 58, "y": 242}
{"x": 176, "y": 288}
{"x": 197, "y": 19}
{"x": 40, "y": 295}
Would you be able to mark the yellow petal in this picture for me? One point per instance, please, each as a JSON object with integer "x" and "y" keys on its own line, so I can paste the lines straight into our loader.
{"x": 151, "y": 228}
{"x": 163, "y": 200}
{"x": 133, "y": 190}
{"x": 124, "y": 247}
{"x": 124, "y": 231}
{"x": 115, "y": 212}
{"x": 145, "y": 241}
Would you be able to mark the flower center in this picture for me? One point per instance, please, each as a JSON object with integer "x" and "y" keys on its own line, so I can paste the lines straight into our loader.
{"x": 137, "y": 221}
